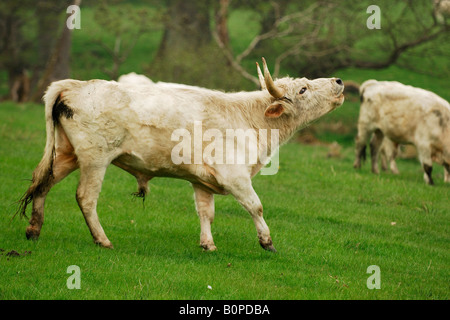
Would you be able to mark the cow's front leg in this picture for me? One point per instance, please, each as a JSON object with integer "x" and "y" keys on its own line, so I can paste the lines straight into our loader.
{"x": 204, "y": 204}
{"x": 91, "y": 179}
{"x": 425, "y": 159}
{"x": 244, "y": 193}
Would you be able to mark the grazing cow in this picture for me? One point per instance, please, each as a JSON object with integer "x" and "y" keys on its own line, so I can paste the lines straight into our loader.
{"x": 134, "y": 79}
{"x": 91, "y": 124}
{"x": 405, "y": 115}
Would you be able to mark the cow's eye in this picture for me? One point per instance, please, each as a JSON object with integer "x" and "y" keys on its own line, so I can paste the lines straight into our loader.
{"x": 302, "y": 90}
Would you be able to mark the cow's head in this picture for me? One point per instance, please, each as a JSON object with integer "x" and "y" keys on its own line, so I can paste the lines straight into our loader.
{"x": 304, "y": 100}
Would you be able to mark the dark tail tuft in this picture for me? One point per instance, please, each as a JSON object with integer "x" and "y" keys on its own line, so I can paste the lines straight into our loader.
{"x": 23, "y": 203}
{"x": 42, "y": 178}
{"x": 141, "y": 193}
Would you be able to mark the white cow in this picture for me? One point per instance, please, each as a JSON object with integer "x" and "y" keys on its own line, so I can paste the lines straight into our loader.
{"x": 405, "y": 115}
{"x": 91, "y": 124}
{"x": 133, "y": 78}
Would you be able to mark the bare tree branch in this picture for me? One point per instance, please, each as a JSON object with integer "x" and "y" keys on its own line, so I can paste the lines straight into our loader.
{"x": 233, "y": 61}
{"x": 289, "y": 22}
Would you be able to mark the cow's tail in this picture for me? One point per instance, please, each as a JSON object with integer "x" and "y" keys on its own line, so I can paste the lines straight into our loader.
{"x": 364, "y": 86}
{"x": 43, "y": 174}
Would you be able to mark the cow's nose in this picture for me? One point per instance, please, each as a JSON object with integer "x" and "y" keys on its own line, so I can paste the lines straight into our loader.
{"x": 339, "y": 82}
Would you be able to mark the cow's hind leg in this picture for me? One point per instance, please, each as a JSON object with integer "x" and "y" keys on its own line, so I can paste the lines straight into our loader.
{"x": 204, "y": 204}
{"x": 446, "y": 172}
{"x": 63, "y": 165}
{"x": 424, "y": 153}
{"x": 91, "y": 179}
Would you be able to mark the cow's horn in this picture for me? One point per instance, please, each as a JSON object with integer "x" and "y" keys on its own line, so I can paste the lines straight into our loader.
{"x": 271, "y": 87}
{"x": 261, "y": 77}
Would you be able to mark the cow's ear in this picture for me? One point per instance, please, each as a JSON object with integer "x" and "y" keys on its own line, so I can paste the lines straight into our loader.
{"x": 275, "y": 110}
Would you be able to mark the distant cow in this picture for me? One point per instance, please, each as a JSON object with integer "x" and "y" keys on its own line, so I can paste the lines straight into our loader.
{"x": 133, "y": 78}
{"x": 441, "y": 10}
{"x": 91, "y": 124}
{"x": 405, "y": 115}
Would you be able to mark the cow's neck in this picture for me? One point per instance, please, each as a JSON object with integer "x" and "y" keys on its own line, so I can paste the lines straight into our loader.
{"x": 252, "y": 106}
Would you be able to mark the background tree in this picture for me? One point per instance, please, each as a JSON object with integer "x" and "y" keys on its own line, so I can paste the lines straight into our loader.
{"x": 29, "y": 32}
{"x": 116, "y": 20}
{"x": 317, "y": 38}
{"x": 13, "y": 44}
{"x": 58, "y": 59}
{"x": 312, "y": 38}
{"x": 187, "y": 52}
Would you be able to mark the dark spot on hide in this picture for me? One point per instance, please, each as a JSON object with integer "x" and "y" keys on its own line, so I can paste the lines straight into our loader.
{"x": 438, "y": 114}
{"x": 61, "y": 109}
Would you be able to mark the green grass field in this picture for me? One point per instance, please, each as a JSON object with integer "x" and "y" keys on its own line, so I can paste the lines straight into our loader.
{"x": 329, "y": 223}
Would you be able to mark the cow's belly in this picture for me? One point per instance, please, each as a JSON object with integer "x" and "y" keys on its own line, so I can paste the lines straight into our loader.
{"x": 160, "y": 166}
{"x": 399, "y": 130}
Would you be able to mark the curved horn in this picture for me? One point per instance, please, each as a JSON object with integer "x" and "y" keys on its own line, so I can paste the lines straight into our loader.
{"x": 271, "y": 87}
{"x": 261, "y": 77}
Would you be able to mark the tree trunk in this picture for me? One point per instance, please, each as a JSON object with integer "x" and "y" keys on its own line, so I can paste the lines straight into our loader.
{"x": 12, "y": 44}
{"x": 187, "y": 26}
{"x": 187, "y": 35}
{"x": 58, "y": 63}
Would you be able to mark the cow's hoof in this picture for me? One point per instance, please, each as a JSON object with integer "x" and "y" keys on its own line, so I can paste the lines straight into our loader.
{"x": 270, "y": 248}
{"x": 104, "y": 244}
{"x": 268, "y": 245}
{"x": 32, "y": 233}
{"x": 208, "y": 247}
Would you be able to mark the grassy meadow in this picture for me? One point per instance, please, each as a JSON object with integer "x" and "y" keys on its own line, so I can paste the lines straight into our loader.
{"x": 328, "y": 222}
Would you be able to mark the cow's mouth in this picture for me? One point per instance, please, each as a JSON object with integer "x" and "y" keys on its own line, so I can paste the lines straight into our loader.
{"x": 339, "y": 99}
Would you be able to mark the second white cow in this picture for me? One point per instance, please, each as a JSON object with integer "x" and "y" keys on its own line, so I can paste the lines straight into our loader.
{"x": 405, "y": 115}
